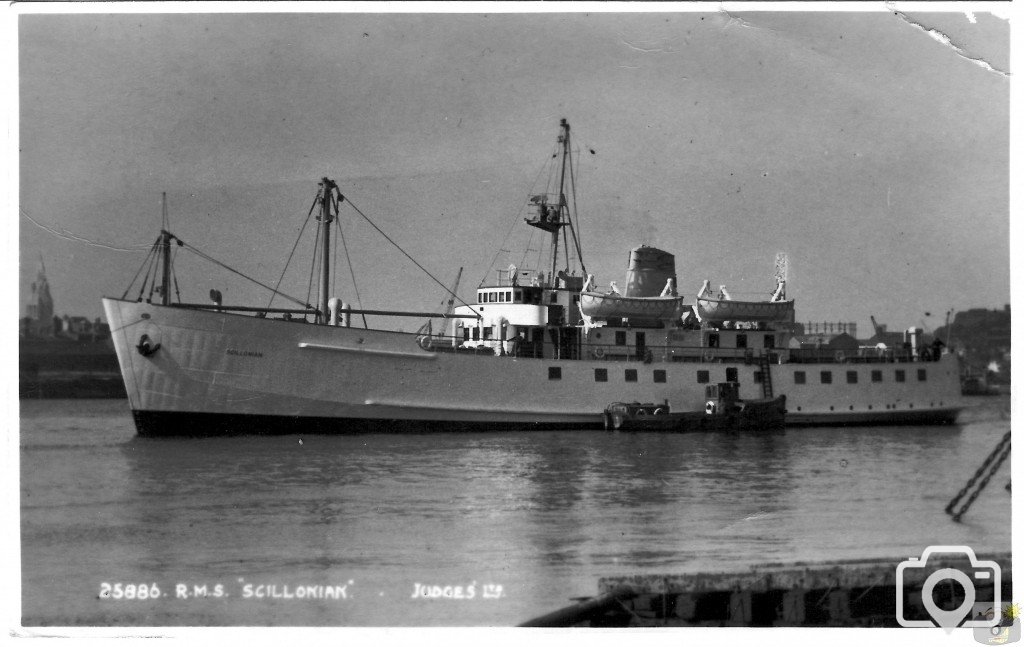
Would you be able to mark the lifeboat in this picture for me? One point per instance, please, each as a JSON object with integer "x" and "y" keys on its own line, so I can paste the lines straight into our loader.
{"x": 711, "y": 308}
{"x": 614, "y": 306}
{"x": 650, "y": 290}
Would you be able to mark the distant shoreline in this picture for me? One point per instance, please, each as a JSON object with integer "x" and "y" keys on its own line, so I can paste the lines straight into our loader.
{"x": 65, "y": 368}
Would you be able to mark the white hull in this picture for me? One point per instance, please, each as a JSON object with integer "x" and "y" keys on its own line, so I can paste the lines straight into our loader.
{"x": 226, "y": 373}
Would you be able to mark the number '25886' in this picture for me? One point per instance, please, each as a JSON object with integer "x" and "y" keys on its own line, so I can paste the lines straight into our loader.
{"x": 119, "y": 591}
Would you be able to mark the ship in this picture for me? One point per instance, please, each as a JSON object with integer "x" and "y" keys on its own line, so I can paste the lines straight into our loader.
{"x": 540, "y": 348}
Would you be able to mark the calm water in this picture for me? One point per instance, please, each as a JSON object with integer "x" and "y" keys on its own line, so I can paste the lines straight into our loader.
{"x": 542, "y": 515}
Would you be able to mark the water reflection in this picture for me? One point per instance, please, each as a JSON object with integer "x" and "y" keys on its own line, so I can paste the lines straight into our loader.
{"x": 544, "y": 514}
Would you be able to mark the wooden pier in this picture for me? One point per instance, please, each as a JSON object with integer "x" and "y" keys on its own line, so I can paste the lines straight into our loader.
{"x": 854, "y": 593}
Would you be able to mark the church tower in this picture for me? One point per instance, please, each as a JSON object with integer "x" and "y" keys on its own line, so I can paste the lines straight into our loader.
{"x": 40, "y": 308}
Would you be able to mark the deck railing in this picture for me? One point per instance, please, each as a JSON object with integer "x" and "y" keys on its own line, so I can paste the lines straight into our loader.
{"x": 651, "y": 353}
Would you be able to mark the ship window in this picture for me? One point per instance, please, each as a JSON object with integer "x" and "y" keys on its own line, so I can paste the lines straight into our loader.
{"x": 799, "y": 377}
{"x": 631, "y": 375}
{"x": 769, "y": 341}
{"x": 659, "y": 375}
{"x": 922, "y": 374}
{"x": 519, "y": 296}
{"x": 851, "y": 377}
{"x": 465, "y": 334}
{"x": 901, "y": 375}
{"x": 476, "y": 334}
{"x": 732, "y": 374}
{"x": 703, "y": 377}
{"x": 758, "y": 377}
{"x": 501, "y": 297}
{"x": 600, "y": 375}
{"x": 741, "y": 341}
{"x": 479, "y": 297}
{"x": 620, "y": 337}
{"x": 508, "y": 296}
{"x": 876, "y": 376}
{"x": 487, "y": 332}
{"x": 554, "y": 297}
{"x": 554, "y": 372}
{"x": 826, "y": 377}
{"x": 713, "y": 340}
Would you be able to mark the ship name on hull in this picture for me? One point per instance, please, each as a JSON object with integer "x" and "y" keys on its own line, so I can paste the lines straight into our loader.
{"x": 244, "y": 353}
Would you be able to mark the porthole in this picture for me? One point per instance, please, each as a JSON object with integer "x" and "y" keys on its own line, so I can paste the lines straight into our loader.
{"x": 831, "y": 408}
{"x": 851, "y": 407}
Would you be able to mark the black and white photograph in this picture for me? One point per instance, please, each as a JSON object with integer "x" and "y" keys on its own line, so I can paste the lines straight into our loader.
{"x": 606, "y": 316}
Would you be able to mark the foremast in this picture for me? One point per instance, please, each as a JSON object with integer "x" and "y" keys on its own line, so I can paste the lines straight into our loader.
{"x": 326, "y": 217}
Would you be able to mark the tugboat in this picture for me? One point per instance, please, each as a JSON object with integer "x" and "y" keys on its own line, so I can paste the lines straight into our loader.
{"x": 723, "y": 411}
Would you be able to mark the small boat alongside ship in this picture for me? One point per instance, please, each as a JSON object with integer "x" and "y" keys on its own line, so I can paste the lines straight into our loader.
{"x": 539, "y": 348}
{"x": 724, "y": 411}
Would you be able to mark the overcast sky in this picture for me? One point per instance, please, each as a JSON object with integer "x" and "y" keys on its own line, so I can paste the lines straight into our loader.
{"x": 872, "y": 153}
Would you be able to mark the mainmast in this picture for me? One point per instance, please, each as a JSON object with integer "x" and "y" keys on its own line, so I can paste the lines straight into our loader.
{"x": 327, "y": 188}
{"x": 563, "y": 206}
{"x": 553, "y": 218}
